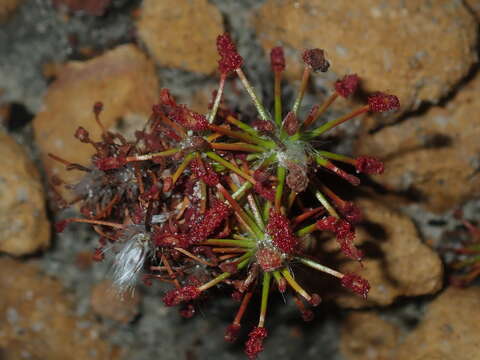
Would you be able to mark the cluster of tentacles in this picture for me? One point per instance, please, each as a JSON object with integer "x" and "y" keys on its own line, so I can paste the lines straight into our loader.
{"x": 197, "y": 201}
{"x": 463, "y": 257}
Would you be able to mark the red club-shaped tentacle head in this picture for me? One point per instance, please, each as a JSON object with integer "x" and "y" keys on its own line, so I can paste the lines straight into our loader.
{"x": 277, "y": 59}
{"x": 282, "y": 235}
{"x": 345, "y": 235}
{"x": 254, "y": 344}
{"x": 369, "y": 165}
{"x": 211, "y": 221}
{"x": 203, "y": 170}
{"x": 347, "y": 86}
{"x": 356, "y": 283}
{"x": 97, "y": 108}
{"x": 166, "y": 98}
{"x": 82, "y": 135}
{"x": 230, "y": 60}
{"x": 177, "y": 296}
{"x": 381, "y": 102}
{"x": 351, "y": 212}
{"x": 189, "y": 119}
{"x": 232, "y": 332}
{"x": 315, "y": 59}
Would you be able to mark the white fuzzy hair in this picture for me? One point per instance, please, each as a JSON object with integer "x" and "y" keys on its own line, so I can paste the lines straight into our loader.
{"x": 296, "y": 151}
{"x": 131, "y": 251}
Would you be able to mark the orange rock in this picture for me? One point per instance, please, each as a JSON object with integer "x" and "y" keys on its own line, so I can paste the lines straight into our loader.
{"x": 108, "y": 303}
{"x": 397, "y": 263}
{"x": 38, "y": 320}
{"x": 4, "y": 113}
{"x": 123, "y": 79}
{"x": 181, "y": 34}
{"x": 200, "y": 99}
{"x": 366, "y": 336}
{"x": 416, "y": 49}
{"x": 474, "y": 5}
{"x": 449, "y": 329}
{"x": 7, "y": 7}
{"x": 24, "y": 227}
{"x": 436, "y": 155}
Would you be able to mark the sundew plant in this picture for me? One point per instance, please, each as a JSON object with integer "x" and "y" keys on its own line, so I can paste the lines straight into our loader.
{"x": 198, "y": 201}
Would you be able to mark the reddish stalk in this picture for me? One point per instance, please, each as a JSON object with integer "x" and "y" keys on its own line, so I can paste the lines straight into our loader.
{"x": 298, "y": 101}
{"x": 229, "y": 250}
{"x": 194, "y": 257}
{"x": 230, "y": 166}
{"x": 152, "y": 156}
{"x": 69, "y": 164}
{"x": 96, "y": 222}
{"x": 311, "y": 119}
{"x": 242, "y": 308}
{"x": 170, "y": 271}
{"x": 331, "y": 124}
{"x": 237, "y": 147}
{"x": 306, "y": 215}
{"x": 254, "y": 230}
{"x": 248, "y": 138}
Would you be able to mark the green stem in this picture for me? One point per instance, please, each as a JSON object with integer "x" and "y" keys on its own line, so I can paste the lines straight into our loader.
{"x": 230, "y": 242}
{"x": 203, "y": 195}
{"x": 253, "y": 228}
{"x": 182, "y": 167}
{"x": 153, "y": 155}
{"x": 258, "y": 105}
{"x": 320, "y": 267}
{"x": 265, "y": 292}
{"x": 303, "y": 87}
{"x": 240, "y": 237}
{"x": 266, "y": 211}
{"x": 245, "y": 127}
{"x": 216, "y": 103}
{"x": 237, "y": 147}
{"x": 241, "y": 135}
{"x": 306, "y": 230}
{"x": 278, "y": 97}
{"x": 251, "y": 157}
{"x": 323, "y": 200}
{"x": 278, "y": 277}
{"x": 267, "y": 162}
{"x": 291, "y": 198}
{"x": 255, "y": 211}
{"x": 230, "y": 166}
{"x": 338, "y": 157}
{"x": 242, "y": 190}
{"x": 295, "y": 286}
{"x": 281, "y": 172}
{"x": 214, "y": 281}
{"x": 242, "y": 262}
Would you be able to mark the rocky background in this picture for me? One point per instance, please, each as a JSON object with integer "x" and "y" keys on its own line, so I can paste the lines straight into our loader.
{"x": 59, "y": 57}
